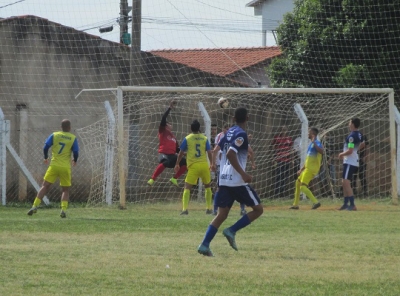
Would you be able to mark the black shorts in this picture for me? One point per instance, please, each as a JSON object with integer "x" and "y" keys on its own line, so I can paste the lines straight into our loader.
{"x": 169, "y": 160}
{"x": 348, "y": 171}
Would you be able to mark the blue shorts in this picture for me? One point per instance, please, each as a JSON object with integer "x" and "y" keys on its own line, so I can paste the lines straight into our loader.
{"x": 348, "y": 171}
{"x": 243, "y": 194}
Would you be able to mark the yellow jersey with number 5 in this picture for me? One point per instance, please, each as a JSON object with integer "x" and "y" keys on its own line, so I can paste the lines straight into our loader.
{"x": 196, "y": 147}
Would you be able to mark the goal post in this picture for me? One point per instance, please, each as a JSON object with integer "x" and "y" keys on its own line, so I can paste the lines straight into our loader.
{"x": 269, "y": 109}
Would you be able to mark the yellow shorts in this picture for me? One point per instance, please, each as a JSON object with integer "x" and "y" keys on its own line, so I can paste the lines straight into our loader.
{"x": 196, "y": 171}
{"x": 306, "y": 176}
{"x": 54, "y": 172}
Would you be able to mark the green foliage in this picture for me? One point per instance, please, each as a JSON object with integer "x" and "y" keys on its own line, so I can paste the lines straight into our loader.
{"x": 348, "y": 43}
{"x": 349, "y": 76}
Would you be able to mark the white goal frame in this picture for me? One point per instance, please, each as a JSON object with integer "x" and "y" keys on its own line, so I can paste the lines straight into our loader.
{"x": 139, "y": 89}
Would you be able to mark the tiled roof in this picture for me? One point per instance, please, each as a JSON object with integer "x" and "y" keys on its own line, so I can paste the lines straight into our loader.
{"x": 221, "y": 62}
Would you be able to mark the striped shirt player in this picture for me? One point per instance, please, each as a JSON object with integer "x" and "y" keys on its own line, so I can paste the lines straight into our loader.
{"x": 233, "y": 184}
{"x": 197, "y": 148}
{"x": 309, "y": 170}
{"x": 350, "y": 162}
{"x": 62, "y": 144}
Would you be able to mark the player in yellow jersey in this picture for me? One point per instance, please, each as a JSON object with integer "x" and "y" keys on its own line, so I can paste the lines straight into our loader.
{"x": 197, "y": 148}
{"x": 309, "y": 170}
{"x": 62, "y": 144}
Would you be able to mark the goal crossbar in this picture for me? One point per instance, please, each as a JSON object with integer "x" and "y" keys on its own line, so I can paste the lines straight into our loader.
{"x": 256, "y": 90}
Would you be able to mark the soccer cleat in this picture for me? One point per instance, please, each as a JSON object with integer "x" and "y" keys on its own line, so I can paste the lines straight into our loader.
{"x": 203, "y": 250}
{"x": 32, "y": 211}
{"x": 63, "y": 214}
{"x": 215, "y": 213}
{"x": 209, "y": 212}
{"x": 316, "y": 206}
{"x": 294, "y": 208}
{"x": 243, "y": 212}
{"x": 174, "y": 182}
{"x": 343, "y": 207}
{"x": 185, "y": 212}
{"x": 230, "y": 236}
{"x": 150, "y": 182}
{"x": 351, "y": 208}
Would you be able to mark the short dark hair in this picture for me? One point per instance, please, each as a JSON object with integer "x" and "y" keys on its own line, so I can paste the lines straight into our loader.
{"x": 66, "y": 125}
{"x": 314, "y": 130}
{"x": 241, "y": 115}
{"x": 213, "y": 124}
{"x": 195, "y": 126}
{"x": 356, "y": 122}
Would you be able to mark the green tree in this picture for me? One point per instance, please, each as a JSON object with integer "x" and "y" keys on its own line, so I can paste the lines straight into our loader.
{"x": 347, "y": 43}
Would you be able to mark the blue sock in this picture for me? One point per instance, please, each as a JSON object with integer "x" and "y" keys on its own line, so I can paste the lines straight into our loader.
{"x": 346, "y": 200}
{"x": 215, "y": 205}
{"x": 210, "y": 233}
{"x": 241, "y": 223}
{"x": 242, "y": 206}
{"x": 351, "y": 199}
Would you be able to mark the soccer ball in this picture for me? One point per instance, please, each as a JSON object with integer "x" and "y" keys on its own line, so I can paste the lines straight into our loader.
{"x": 223, "y": 102}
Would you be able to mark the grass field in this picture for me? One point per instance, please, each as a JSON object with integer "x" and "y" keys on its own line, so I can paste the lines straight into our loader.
{"x": 105, "y": 251}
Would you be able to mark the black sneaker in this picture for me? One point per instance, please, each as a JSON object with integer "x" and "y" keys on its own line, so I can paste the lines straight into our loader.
{"x": 343, "y": 207}
{"x": 32, "y": 211}
{"x": 209, "y": 212}
{"x": 316, "y": 206}
{"x": 351, "y": 208}
{"x": 63, "y": 214}
{"x": 294, "y": 208}
{"x": 185, "y": 212}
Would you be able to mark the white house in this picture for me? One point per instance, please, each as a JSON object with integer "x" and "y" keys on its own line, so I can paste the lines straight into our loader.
{"x": 272, "y": 12}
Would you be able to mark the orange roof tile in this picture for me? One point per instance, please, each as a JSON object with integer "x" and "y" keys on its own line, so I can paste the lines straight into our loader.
{"x": 221, "y": 62}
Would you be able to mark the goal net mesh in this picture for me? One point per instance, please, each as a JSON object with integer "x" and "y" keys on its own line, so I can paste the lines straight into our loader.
{"x": 269, "y": 114}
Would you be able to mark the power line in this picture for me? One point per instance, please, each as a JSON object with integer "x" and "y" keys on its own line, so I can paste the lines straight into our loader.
{"x": 12, "y": 3}
{"x": 216, "y": 7}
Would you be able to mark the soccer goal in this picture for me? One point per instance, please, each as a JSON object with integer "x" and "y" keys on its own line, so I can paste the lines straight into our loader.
{"x": 272, "y": 113}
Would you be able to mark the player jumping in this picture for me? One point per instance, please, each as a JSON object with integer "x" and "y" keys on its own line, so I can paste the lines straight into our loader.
{"x": 167, "y": 149}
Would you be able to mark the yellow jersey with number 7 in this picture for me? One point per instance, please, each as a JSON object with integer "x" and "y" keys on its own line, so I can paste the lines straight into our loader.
{"x": 62, "y": 144}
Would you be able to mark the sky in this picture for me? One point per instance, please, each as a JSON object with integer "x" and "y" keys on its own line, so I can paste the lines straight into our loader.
{"x": 166, "y": 24}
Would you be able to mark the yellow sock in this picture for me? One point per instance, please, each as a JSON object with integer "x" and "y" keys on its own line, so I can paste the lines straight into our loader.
{"x": 208, "y": 198}
{"x": 185, "y": 199}
{"x": 64, "y": 205}
{"x": 36, "y": 202}
{"x": 308, "y": 193}
{"x": 296, "y": 194}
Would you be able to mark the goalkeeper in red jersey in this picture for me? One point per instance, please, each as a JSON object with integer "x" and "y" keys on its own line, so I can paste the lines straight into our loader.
{"x": 167, "y": 149}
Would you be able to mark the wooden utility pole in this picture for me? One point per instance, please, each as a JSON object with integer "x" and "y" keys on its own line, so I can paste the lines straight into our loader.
{"x": 136, "y": 57}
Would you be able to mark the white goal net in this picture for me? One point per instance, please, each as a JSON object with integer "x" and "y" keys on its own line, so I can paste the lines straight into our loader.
{"x": 271, "y": 112}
